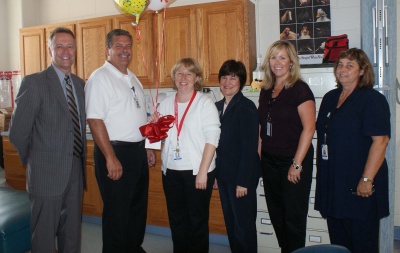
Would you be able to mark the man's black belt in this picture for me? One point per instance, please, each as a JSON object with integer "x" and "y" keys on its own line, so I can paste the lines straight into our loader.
{"x": 127, "y": 143}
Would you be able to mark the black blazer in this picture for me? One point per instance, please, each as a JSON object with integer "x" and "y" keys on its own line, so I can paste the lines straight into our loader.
{"x": 238, "y": 161}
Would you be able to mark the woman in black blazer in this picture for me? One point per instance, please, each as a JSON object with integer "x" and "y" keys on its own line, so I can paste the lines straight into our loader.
{"x": 238, "y": 162}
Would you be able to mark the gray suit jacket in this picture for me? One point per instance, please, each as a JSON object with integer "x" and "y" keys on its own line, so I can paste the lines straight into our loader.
{"x": 42, "y": 132}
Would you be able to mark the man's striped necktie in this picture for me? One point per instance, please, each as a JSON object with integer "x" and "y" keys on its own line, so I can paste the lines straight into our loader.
{"x": 78, "y": 147}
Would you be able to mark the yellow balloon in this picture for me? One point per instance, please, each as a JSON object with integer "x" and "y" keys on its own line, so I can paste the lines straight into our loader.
{"x": 132, "y": 7}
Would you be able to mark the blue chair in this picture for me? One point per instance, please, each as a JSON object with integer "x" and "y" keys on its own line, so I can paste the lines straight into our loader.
{"x": 323, "y": 248}
{"x": 15, "y": 216}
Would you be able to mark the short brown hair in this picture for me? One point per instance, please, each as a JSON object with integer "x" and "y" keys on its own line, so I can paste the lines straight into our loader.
{"x": 235, "y": 68}
{"x": 354, "y": 54}
{"x": 60, "y": 30}
{"x": 116, "y": 32}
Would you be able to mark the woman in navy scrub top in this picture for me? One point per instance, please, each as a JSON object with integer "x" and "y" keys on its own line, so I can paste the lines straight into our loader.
{"x": 287, "y": 125}
{"x": 353, "y": 128}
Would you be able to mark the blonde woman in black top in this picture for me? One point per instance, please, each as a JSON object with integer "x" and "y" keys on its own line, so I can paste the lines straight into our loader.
{"x": 287, "y": 124}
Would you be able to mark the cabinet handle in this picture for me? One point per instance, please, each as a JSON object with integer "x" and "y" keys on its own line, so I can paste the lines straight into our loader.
{"x": 314, "y": 217}
{"x": 265, "y": 233}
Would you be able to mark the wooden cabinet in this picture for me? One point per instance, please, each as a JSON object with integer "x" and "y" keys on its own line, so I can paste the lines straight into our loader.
{"x": 179, "y": 40}
{"x": 14, "y": 172}
{"x": 92, "y": 202}
{"x": 91, "y": 45}
{"x": 211, "y": 33}
{"x": 32, "y": 50}
{"x": 226, "y": 30}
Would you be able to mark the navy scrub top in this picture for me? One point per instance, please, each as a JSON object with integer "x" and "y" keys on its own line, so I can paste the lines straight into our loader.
{"x": 348, "y": 130}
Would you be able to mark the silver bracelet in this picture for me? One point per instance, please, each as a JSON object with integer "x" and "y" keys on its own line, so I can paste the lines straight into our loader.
{"x": 297, "y": 166}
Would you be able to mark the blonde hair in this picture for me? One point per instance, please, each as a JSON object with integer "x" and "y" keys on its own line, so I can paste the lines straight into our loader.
{"x": 192, "y": 66}
{"x": 294, "y": 74}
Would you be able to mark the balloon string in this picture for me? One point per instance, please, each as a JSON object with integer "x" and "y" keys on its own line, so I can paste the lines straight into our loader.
{"x": 138, "y": 32}
{"x": 161, "y": 46}
{"x": 143, "y": 58}
{"x": 159, "y": 56}
{"x": 141, "y": 49}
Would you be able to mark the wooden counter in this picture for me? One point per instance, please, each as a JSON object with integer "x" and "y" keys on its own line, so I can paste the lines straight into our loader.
{"x": 157, "y": 215}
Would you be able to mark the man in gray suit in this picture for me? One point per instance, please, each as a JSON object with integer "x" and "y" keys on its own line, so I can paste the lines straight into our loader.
{"x": 48, "y": 129}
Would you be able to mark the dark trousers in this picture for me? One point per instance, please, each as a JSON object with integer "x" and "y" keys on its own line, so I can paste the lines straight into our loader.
{"x": 59, "y": 216}
{"x": 240, "y": 216}
{"x": 287, "y": 202}
{"x": 188, "y": 210}
{"x": 359, "y": 236}
{"x": 125, "y": 200}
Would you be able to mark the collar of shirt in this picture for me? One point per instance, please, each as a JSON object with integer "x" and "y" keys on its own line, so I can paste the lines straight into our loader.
{"x": 116, "y": 72}
{"x": 61, "y": 75}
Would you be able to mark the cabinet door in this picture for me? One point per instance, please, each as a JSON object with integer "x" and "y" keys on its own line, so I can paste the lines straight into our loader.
{"x": 91, "y": 45}
{"x": 48, "y": 30}
{"x": 142, "y": 63}
{"x": 179, "y": 40}
{"x": 92, "y": 202}
{"x": 225, "y": 31}
{"x": 32, "y": 50}
{"x": 14, "y": 172}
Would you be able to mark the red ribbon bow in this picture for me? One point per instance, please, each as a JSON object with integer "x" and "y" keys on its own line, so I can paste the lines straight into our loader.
{"x": 157, "y": 131}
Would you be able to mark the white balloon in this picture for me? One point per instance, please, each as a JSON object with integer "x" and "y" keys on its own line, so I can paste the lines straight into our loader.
{"x": 156, "y": 5}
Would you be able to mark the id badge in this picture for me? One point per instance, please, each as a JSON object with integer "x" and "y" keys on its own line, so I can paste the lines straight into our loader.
{"x": 177, "y": 155}
{"x": 268, "y": 128}
{"x": 324, "y": 149}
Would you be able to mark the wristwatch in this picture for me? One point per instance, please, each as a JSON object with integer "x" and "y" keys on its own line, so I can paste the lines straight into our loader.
{"x": 296, "y": 166}
{"x": 365, "y": 179}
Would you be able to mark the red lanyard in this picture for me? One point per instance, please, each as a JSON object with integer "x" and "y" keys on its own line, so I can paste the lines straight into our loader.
{"x": 179, "y": 126}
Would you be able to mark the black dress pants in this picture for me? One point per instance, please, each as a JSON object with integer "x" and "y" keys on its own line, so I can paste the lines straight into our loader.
{"x": 125, "y": 200}
{"x": 188, "y": 210}
{"x": 359, "y": 236}
{"x": 240, "y": 215}
{"x": 287, "y": 202}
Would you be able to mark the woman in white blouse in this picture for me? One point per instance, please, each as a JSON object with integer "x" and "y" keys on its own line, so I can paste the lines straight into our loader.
{"x": 188, "y": 157}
